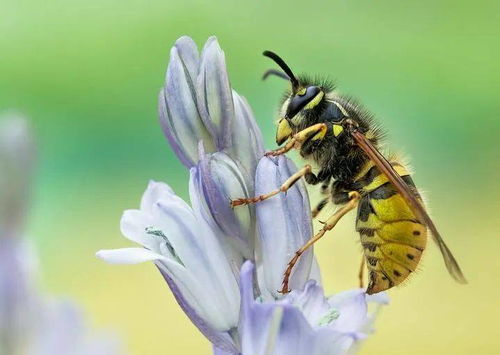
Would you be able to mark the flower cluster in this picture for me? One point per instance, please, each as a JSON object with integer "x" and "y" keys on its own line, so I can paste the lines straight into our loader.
{"x": 31, "y": 322}
{"x": 224, "y": 265}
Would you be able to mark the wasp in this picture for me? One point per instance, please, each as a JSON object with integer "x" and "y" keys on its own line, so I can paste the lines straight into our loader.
{"x": 341, "y": 138}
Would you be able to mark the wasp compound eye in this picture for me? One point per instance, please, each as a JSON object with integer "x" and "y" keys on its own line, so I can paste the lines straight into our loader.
{"x": 306, "y": 97}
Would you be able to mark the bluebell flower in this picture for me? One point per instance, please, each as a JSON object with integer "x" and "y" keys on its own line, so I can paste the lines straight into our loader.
{"x": 201, "y": 248}
{"x": 214, "y": 180}
{"x": 189, "y": 256}
{"x": 284, "y": 225}
{"x": 303, "y": 322}
{"x": 31, "y": 322}
{"x": 197, "y": 104}
{"x": 200, "y": 115}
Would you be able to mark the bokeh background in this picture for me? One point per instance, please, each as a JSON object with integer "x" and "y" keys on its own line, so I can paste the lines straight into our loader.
{"x": 87, "y": 73}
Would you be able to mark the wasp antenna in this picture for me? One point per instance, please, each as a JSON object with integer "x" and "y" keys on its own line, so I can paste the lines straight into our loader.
{"x": 284, "y": 66}
{"x": 275, "y": 72}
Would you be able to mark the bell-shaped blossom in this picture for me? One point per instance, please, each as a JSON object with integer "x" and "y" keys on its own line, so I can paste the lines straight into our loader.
{"x": 189, "y": 256}
{"x": 197, "y": 104}
{"x": 197, "y": 109}
{"x": 179, "y": 113}
{"x": 215, "y": 180}
{"x": 304, "y": 322}
{"x": 284, "y": 225}
{"x": 31, "y": 322}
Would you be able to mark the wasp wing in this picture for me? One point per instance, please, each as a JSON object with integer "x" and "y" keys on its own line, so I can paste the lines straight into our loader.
{"x": 414, "y": 204}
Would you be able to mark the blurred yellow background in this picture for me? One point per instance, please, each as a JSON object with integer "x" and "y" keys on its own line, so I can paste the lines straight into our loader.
{"x": 87, "y": 73}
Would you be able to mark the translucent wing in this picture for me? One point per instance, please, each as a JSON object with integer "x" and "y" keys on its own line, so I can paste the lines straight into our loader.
{"x": 415, "y": 205}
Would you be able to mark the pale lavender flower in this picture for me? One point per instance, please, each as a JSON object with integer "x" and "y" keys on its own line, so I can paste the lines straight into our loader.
{"x": 30, "y": 322}
{"x": 16, "y": 165}
{"x": 189, "y": 256}
{"x": 198, "y": 104}
{"x": 303, "y": 322}
{"x": 200, "y": 249}
{"x": 16, "y": 158}
{"x": 61, "y": 330}
{"x": 284, "y": 224}
{"x": 200, "y": 114}
{"x": 215, "y": 180}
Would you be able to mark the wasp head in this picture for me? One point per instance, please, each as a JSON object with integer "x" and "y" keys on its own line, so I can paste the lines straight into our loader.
{"x": 304, "y": 98}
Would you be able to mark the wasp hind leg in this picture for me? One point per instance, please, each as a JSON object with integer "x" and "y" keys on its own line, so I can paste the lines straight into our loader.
{"x": 361, "y": 273}
{"x": 328, "y": 225}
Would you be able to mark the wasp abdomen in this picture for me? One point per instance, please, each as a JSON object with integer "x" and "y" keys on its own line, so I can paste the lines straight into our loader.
{"x": 392, "y": 237}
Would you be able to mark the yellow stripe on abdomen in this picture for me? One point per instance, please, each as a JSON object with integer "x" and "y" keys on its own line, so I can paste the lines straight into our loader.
{"x": 392, "y": 238}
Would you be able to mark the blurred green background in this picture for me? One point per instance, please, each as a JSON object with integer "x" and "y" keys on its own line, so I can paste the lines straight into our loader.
{"x": 87, "y": 72}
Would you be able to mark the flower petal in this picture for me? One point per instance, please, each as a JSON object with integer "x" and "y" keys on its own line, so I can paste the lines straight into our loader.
{"x": 177, "y": 105}
{"x": 18, "y": 295}
{"x": 188, "y": 251}
{"x": 128, "y": 255}
{"x": 220, "y": 339}
{"x": 315, "y": 271}
{"x": 214, "y": 182}
{"x": 17, "y": 155}
{"x": 215, "y": 100}
{"x": 353, "y": 311}
{"x": 380, "y": 298}
{"x": 194, "y": 245}
{"x": 330, "y": 342}
{"x": 217, "y": 351}
{"x": 311, "y": 301}
{"x": 279, "y": 327}
{"x": 188, "y": 52}
{"x": 248, "y": 146}
{"x": 270, "y": 328}
{"x": 284, "y": 224}
{"x": 154, "y": 192}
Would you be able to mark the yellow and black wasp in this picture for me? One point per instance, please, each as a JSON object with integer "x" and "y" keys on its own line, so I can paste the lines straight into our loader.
{"x": 341, "y": 138}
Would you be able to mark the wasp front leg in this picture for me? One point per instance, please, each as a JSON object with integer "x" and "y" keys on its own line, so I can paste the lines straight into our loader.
{"x": 312, "y": 133}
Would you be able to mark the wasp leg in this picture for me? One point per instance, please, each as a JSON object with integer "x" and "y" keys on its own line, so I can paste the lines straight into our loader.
{"x": 361, "y": 272}
{"x": 314, "y": 132}
{"x": 325, "y": 187}
{"x": 340, "y": 193}
{"x": 319, "y": 207}
{"x": 305, "y": 171}
{"x": 325, "y": 190}
{"x": 328, "y": 225}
